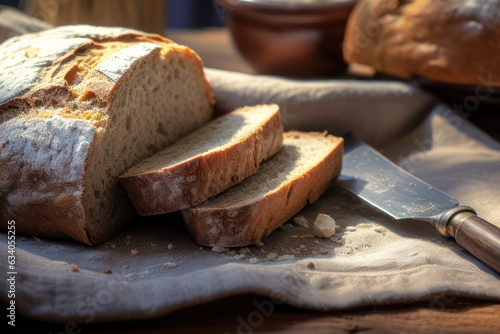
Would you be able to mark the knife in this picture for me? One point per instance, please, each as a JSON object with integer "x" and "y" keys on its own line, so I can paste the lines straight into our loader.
{"x": 375, "y": 179}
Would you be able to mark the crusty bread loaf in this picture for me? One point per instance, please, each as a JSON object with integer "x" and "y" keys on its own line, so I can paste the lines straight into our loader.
{"x": 283, "y": 185}
{"x": 79, "y": 105}
{"x": 206, "y": 162}
{"x": 454, "y": 41}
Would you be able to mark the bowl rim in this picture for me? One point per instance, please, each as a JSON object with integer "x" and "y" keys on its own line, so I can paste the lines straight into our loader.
{"x": 283, "y": 5}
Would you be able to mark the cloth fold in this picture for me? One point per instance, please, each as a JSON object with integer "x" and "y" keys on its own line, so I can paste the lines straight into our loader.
{"x": 376, "y": 112}
{"x": 372, "y": 259}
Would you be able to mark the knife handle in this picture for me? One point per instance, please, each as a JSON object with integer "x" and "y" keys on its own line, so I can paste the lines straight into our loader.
{"x": 476, "y": 235}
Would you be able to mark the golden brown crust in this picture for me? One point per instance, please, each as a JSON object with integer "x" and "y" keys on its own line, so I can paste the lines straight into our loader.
{"x": 260, "y": 218}
{"x": 205, "y": 175}
{"x": 452, "y": 41}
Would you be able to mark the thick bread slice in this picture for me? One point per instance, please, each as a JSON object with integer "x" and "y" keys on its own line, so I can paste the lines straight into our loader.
{"x": 79, "y": 105}
{"x": 205, "y": 163}
{"x": 241, "y": 215}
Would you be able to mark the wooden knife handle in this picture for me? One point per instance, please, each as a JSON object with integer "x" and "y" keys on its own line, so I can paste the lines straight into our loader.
{"x": 476, "y": 235}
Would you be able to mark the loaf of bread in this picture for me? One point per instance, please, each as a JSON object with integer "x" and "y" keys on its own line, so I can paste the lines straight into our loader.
{"x": 452, "y": 41}
{"x": 283, "y": 185}
{"x": 206, "y": 162}
{"x": 79, "y": 105}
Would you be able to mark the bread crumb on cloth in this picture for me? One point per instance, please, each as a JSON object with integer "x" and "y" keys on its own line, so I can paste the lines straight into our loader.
{"x": 301, "y": 221}
{"x": 324, "y": 226}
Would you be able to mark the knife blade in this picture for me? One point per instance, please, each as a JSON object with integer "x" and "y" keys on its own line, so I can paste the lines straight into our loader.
{"x": 375, "y": 179}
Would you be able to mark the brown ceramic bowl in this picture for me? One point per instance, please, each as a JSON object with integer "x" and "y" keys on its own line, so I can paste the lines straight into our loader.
{"x": 290, "y": 38}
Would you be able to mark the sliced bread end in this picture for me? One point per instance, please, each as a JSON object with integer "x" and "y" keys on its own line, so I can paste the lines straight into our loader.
{"x": 284, "y": 184}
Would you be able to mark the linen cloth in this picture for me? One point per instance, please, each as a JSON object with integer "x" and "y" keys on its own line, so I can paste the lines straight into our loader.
{"x": 372, "y": 260}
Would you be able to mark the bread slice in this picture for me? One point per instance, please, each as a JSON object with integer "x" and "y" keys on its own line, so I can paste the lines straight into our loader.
{"x": 205, "y": 163}
{"x": 79, "y": 105}
{"x": 241, "y": 215}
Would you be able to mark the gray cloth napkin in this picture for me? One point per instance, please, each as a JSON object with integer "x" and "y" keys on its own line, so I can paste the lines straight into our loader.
{"x": 372, "y": 260}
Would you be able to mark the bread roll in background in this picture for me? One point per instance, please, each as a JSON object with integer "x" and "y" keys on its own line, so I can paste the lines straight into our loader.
{"x": 451, "y": 41}
{"x": 79, "y": 105}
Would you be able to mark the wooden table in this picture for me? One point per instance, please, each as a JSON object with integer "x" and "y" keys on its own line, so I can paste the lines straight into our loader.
{"x": 440, "y": 315}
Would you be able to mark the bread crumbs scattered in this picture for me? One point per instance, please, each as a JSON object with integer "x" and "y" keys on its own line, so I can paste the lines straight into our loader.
{"x": 219, "y": 249}
{"x": 232, "y": 252}
{"x": 324, "y": 252}
{"x": 350, "y": 228}
{"x": 107, "y": 271}
{"x": 259, "y": 244}
{"x": 170, "y": 265}
{"x": 286, "y": 257}
{"x": 134, "y": 252}
{"x": 295, "y": 236}
{"x": 170, "y": 246}
{"x": 74, "y": 268}
{"x": 238, "y": 256}
{"x": 316, "y": 242}
{"x": 112, "y": 245}
{"x": 129, "y": 275}
{"x": 310, "y": 265}
{"x": 302, "y": 246}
